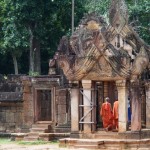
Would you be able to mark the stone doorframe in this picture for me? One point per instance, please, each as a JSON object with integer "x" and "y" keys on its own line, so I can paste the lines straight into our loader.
{"x": 35, "y": 94}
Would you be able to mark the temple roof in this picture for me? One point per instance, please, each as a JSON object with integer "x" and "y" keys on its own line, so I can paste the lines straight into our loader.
{"x": 100, "y": 51}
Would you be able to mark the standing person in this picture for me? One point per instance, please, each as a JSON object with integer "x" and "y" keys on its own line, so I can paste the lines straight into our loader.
{"x": 116, "y": 114}
{"x": 129, "y": 111}
{"x": 107, "y": 115}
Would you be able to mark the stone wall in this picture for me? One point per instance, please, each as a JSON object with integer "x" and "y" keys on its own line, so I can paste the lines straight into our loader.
{"x": 11, "y": 103}
{"x": 11, "y": 117}
{"x": 18, "y": 101}
{"x": 62, "y": 106}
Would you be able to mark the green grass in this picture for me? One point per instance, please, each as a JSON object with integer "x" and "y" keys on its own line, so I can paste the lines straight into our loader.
{"x": 38, "y": 142}
{"x": 33, "y": 142}
{"x": 5, "y": 141}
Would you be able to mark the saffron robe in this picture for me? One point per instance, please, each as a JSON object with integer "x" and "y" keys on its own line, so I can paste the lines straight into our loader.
{"x": 116, "y": 113}
{"x": 107, "y": 115}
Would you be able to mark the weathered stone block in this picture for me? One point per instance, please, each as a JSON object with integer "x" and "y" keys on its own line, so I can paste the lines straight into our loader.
{"x": 2, "y": 128}
{"x": 18, "y": 118}
{"x": 61, "y": 109}
{"x": 62, "y": 100}
{"x": 13, "y": 109}
{"x": 2, "y": 117}
{"x": 10, "y": 117}
{"x": 62, "y": 92}
{"x": 27, "y": 97}
{"x": 61, "y": 118}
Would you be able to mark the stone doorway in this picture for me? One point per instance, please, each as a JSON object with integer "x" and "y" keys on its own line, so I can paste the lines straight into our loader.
{"x": 104, "y": 89}
{"x": 43, "y": 105}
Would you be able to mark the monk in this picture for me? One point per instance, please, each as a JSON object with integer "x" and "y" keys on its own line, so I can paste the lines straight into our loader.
{"x": 116, "y": 114}
{"x": 107, "y": 115}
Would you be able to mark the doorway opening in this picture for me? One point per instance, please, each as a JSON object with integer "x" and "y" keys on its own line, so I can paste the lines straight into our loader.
{"x": 43, "y": 105}
{"x": 104, "y": 89}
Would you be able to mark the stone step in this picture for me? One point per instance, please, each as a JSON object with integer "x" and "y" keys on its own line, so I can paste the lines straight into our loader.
{"x": 53, "y": 136}
{"x": 106, "y": 135}
{"x": 100, "y": 136}
{"x": 62, "y": 130}
{"x": 87, "y": 146}
{"x": 31, "y": 139}
{"x": 107, "y": 144}
{"x": 89, "y": 142}
{"x": 40, "y": 125}
{"x": 38, "y": 130}
{"x": 44, "y": 122}
{"x": 33, "y": 136}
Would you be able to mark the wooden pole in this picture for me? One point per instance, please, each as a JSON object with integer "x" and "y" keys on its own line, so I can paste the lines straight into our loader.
{"x": 72, "y": 17}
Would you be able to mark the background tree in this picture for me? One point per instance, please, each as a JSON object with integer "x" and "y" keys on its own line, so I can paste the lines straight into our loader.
{"x": 30, "y": 29}
{"x": 139, "y": 12}
{"x": 37, "y": 26}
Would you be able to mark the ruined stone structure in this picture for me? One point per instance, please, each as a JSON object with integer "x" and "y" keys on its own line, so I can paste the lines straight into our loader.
{"x": 102, "y": 60}
{"x": 32, "y": 107}
{"x": 11, "y": 104}
{"x": 97, "y": 61}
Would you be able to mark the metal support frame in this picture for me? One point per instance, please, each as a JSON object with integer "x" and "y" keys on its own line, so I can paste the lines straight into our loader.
{"x": 92, "y": 105}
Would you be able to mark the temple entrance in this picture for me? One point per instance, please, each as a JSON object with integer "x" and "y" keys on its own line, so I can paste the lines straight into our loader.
{"x": 104, "y": 89}
{"x": 43, "y": 105}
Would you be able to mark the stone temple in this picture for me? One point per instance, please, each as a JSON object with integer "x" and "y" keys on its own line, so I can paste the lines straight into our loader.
{"x": 99, "y": 60}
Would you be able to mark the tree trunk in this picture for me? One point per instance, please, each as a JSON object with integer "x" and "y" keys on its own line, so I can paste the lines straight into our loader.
{"x": 31, "y": 59}
{"x": 35, "y": 56}
{"x": 15, "y": 63}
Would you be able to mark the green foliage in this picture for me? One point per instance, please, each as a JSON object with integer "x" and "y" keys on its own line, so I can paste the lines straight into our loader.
{"x": 139, "y": 12}
{"x": 99, "y": 6}
{"x": 140, "y": 17}
{"x": 49, "y": 20}
{"x": 33, "y": 73}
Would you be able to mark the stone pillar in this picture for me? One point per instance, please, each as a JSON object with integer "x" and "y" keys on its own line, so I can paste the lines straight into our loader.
{"x": 87, "y": 104}
{"x": 105, "y": 89}
{"x": 136, "y": 106}
{"x": 28, "y": 108}
{"x": 147, "y": 86}
{"x": 75, "y": 110}
{"x": 122, "y": 99}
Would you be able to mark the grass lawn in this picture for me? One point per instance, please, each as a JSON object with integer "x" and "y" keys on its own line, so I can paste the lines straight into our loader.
{"x": 8, "y": 141}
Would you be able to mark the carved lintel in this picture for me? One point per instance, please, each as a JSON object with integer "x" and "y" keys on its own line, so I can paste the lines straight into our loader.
{"x": 86, "y": 84}
{"x": 121, "y": 83}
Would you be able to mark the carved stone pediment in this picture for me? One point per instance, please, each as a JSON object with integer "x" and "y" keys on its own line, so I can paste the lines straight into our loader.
{"x": 97, "y": 51}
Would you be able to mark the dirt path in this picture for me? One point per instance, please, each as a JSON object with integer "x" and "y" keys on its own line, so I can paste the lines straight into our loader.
{"x": 31, "y": 147}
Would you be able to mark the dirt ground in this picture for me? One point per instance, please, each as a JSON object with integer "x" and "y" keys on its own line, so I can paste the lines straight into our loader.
{"x": 31, "y": 147}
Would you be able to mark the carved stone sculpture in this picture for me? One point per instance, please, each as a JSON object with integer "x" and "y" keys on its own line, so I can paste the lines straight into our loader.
{"x": 97, "y": 51}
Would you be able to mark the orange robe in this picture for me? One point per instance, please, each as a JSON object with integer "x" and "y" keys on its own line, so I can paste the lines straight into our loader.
{"x": 107, "y": 115}
{"x": 115, "y": 113}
